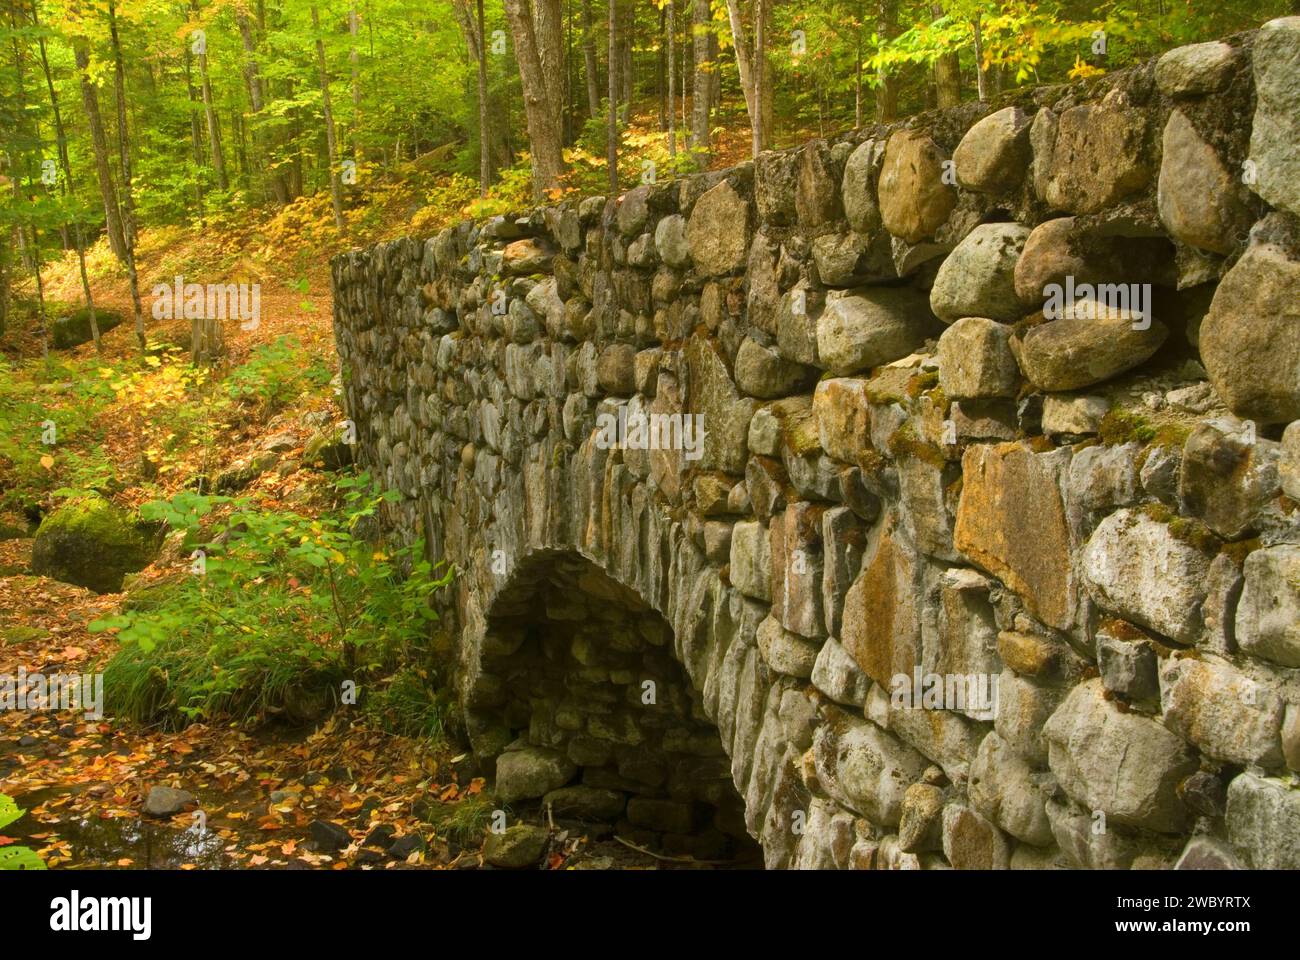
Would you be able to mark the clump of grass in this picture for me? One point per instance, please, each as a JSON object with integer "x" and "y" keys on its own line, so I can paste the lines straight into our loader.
{"x": 465, "y": 821}
{"x": 410, "y": 705}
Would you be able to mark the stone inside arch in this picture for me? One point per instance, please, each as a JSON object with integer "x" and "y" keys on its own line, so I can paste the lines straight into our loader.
{"x": 586, "y": 711}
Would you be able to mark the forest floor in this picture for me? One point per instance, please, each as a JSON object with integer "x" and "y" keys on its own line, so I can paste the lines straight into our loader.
{"x": 144, "y": 431}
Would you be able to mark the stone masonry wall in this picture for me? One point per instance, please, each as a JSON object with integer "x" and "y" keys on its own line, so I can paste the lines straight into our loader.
{"x": 921, "y": 479}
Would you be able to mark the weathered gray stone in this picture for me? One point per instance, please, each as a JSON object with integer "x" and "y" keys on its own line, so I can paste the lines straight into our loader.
{"x": 719, "y": 231}
{"x": 837, "y": 675}
{"x": 1227, "y": 476}
{"x": 751, "y": 560}
{"x": 1199, "y": 199}
{"x": 1196, "y": 69}
{"x": 530, "y": 773}
{"x": 518, "y": 846}
{"x": 870, "y": 326}
{"x": 1095, "y": 157}
{"x": 1072, "y": 415}
{"x": 1263, "y": 822}
{"x": 1250, "y": 339}
{"x": 975, "y": 360}
{"x": 1075, "y": 352}
{"x": 1275, "y": 130}
{"x": 1135, "y": 566}
{"x": 1004, "y": 789}
{"x": 1128, "y": 667}
{"x": 761, "y": 372}
{"x": 1268, "y": 614}
{"x": 861, "y": 171}
{"x": 864, "y": 768}
{"x": 671, "y": 242}
{"x": 1123, "y": 764}
{"x": 1225, "y": 714}
{"x": 786, "y": 652}
{"x": 1207, "y": 853}
{"x": 978, "y": 278}
{"x": 994, "y": 153}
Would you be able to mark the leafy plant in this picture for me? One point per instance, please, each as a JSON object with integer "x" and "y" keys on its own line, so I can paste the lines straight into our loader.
{"x": 280, "y": 609}
{"x": 16, "y": 858}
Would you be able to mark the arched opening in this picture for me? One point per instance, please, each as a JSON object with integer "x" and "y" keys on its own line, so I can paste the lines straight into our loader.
{"x": 598, "y": 722}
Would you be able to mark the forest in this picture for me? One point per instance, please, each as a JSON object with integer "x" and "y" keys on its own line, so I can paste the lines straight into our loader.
{"x": 182, "y": 515}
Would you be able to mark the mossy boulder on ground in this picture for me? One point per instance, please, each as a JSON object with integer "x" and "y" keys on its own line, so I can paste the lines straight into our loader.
{"x": 72, "y": 329}
{"x": 90, "y": 542}
{"x": 328, "y": 449}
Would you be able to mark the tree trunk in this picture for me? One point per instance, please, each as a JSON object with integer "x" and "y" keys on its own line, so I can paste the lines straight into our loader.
{"x": 589, "y": 60}
{"x": 611, "y": 105}
{"x": 672, "y": 80}
{"x": 886, "y": 82}
{"x": 947, "y": 74}
{"x": 99, "y": 141}
{"x": 256, "y": 99}
{"x": 703, "y": 84}
{"x": 124, "y": 149}
{"x": 979, "y": 58}
{"x": 764, "y": 76}
{"x": 484, "y": 116}
{"x": 331, "y": 145}
{"x": 355, "y": 62}
{"x": 62, "y": 139}
{"x": 541, "y": 103}
{"x": 210, "y": 114}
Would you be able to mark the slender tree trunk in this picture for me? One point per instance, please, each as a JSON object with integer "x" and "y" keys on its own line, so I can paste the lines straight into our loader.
{"x": 589, "y": 60}
{"x": 857, "y": 71}
{"x": 611, "y": 107}
{"x": 331, "y": 145}
{"x": 484, "y": 116}
{"x": 672, "y": 81}
{"x": 541, "y": 103}
{"x": 758, "y": 71}
{"x": 979, "y": 57}
{"x": 99, "y": 143}
{"x": 62, "y": 139}
{"x": 665, "y": 100}
{"x": 210, "y": 113}
{"x": 703, "y": 84}
{"x": 354, "y": 59}
{"x": 947, "y": 74}
{"x": 626, "y": 74}
{"x": 256, "y": 99}
{"x": 124, "y": 148}
{"x": 886, "y": 82}
{"x": 196, "y": 135}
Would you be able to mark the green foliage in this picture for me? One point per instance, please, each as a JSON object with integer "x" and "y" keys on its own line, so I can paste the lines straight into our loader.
{"x": 11, "y": 857}
{"x": 279, "y": 605}
{"x": 276, "y": 373}
{"x": 464, "y": 821}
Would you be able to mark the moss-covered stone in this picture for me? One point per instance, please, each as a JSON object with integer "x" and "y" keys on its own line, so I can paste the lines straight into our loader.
{"x": 73, "y": 329}
{"x": 91, "y": 543}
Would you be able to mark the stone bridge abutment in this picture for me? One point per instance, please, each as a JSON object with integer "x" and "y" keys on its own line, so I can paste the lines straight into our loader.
{"x": 989, "y": 553}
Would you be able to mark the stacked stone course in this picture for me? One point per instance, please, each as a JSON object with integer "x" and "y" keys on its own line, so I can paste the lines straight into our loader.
{"x": 909, "y": 468}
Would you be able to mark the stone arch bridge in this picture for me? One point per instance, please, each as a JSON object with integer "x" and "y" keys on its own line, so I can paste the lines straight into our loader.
{"x": 953, "y": 576}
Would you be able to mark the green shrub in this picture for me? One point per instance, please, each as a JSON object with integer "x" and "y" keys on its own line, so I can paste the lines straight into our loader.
{"x": 281, "y": 609}
{"x": 275, "y": 374}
